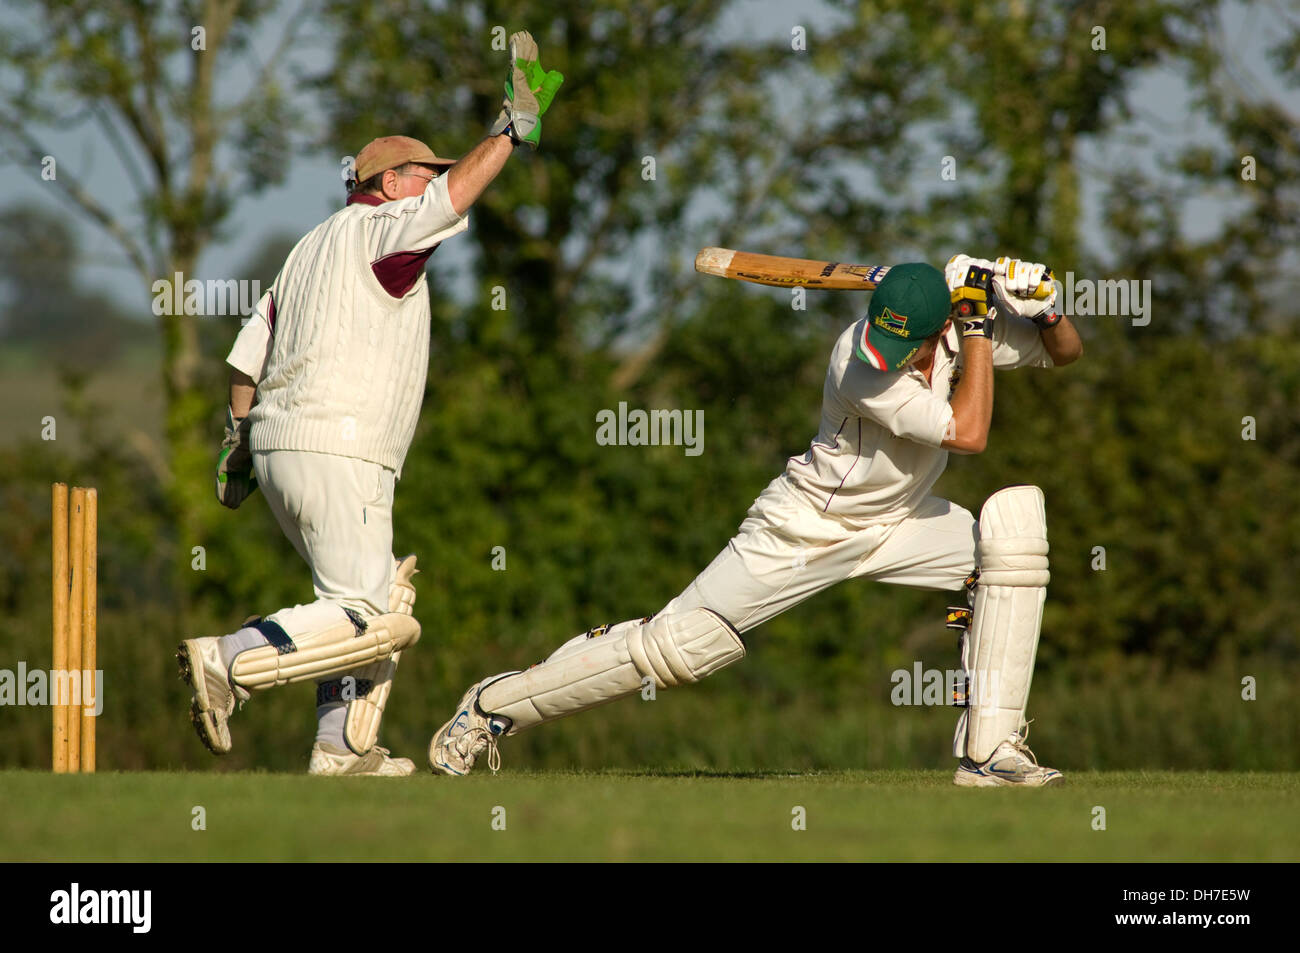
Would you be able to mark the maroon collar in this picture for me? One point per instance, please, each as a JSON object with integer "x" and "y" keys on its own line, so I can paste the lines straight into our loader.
{"x": 365, "y": 198}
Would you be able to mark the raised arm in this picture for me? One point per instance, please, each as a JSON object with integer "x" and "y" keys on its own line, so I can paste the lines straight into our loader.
{"x": 1061, "y": 339}
{"x": 972, "y": 402}
{"x": 471, "y": 175}
{"x": 970, "y": 281}
{"x": 529, "y": 91}
{"x": 1014, "y": 283}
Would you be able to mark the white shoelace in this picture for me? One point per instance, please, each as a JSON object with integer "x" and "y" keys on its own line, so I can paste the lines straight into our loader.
{"x": 1021, "y": 743}
{"x": 483, "y": 738}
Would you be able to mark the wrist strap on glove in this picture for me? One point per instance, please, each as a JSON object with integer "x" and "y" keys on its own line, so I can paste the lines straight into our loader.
{"x": 970, "y": 303}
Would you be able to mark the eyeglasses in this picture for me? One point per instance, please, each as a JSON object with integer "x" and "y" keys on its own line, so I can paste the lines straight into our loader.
{"x": 427, "y": 178}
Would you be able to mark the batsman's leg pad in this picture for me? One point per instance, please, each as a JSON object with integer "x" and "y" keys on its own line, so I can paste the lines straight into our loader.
{"x": 609, "y": 662}
{"x": 333, "y": 650}
{"x": 1003, "y": 641}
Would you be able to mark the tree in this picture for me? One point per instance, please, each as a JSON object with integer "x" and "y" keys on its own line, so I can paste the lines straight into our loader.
{"x": 46, "y": 305}
{"x": 153, "y": 84}
{"x": 672, "y": 126}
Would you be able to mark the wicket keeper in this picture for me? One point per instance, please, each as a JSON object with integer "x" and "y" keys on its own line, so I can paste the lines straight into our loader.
{"x": 326, "y": 385}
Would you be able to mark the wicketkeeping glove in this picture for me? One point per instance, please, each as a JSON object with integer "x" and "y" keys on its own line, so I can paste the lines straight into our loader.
{"x": 235, "y": 478}
{"x": 544, "y": 84}
{"x": 529, "y": 92}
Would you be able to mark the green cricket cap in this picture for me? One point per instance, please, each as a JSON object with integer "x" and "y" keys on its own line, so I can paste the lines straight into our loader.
{"x": 911, "y": 303}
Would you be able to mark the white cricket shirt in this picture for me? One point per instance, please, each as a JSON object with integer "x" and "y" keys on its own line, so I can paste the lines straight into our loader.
{"x": 878, "y": 453}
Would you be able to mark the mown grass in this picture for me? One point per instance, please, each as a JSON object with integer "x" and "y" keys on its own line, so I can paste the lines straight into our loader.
{"x": 747, "y": 718}
{"x": 638, "y": 816}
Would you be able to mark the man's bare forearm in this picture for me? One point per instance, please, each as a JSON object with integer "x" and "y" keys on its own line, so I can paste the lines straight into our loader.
{"x": 1063, "y": 343}
{"x": 972, "y": 402}
{"x": 472, "y": 174}
{"x": 243, "y": 389}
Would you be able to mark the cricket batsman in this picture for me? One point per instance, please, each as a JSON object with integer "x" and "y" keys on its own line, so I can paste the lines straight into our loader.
{"x": 326, "y": 385}
{"x": 907, "y": 384}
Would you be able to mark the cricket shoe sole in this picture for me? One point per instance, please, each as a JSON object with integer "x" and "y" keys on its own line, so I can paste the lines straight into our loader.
{"x": 199, "y": 664}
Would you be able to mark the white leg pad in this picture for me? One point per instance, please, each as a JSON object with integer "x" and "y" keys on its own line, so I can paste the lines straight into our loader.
{"x": 401, "y": 594}
{"x": 366, "y": 698}
{"x": 333, "y": 650}
{"x": 608, "y": 663}
{"x": 367, "y": 694}
{"x": 1003, "y": 642}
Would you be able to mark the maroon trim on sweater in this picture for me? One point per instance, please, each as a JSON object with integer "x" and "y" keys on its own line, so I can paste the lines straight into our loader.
{"x": 270, "y": 312}
{"x": 399, "y": 271}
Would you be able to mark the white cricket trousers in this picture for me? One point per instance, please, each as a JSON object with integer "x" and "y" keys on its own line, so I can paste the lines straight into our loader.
{"x": 787, "y": 550}
{"x": 338, "y": 513}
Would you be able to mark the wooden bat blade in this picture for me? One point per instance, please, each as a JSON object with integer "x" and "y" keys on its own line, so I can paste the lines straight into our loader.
{"x": 782, "y": 272}
{"x": 779, "y": 272}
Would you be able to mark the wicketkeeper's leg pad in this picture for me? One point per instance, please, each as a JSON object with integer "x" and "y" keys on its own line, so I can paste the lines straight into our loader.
{"x": 611, "y": 662}
{"x": 365, "y": 692}
{"x": 401, "y": 593}
{"x": 331, "y": 650}
{"x": 366, "y": 689}
{"x": 1003, "y": 639}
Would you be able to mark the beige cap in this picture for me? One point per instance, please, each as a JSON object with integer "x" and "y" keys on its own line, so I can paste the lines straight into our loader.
{"x": 388, "y": 152}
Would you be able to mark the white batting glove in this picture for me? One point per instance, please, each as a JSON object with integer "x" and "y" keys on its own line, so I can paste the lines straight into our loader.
{"x": 959, "y": 266}
{"x": 1015, "y": 282}
{"x": 1019, "y": 277}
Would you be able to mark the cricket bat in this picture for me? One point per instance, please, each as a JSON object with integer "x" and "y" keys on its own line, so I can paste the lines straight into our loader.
{"x": 799, "y": 272}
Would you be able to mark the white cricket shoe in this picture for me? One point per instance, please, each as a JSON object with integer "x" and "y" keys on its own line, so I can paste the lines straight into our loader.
{"x": 214, "y": 697}
{"x": 1012, "y": 765}
{"x": 460, "y": 742}
{"x": 330, "y": 761}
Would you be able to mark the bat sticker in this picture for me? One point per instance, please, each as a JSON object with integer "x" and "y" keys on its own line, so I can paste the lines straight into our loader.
{"x": 778, "y": 279}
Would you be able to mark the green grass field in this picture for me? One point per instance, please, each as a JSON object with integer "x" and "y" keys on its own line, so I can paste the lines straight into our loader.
{"x": 853, "y": 816}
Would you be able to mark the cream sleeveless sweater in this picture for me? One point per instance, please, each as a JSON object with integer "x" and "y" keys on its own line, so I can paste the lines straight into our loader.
{"x": 346, "y": 329}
